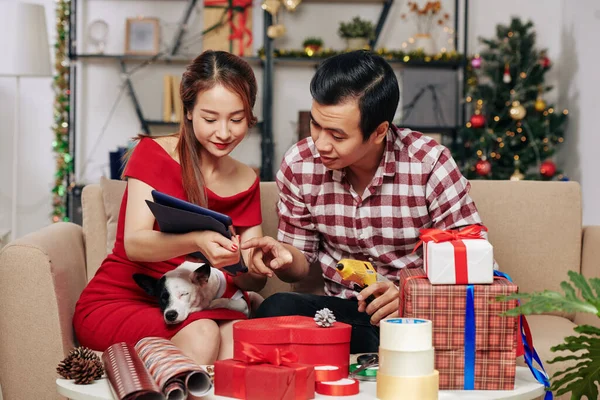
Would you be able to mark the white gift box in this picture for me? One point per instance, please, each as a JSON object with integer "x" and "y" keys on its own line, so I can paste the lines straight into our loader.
{"x": 439, "y": 262}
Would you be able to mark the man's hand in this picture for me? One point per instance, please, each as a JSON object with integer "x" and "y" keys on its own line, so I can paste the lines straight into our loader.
{"x": 268, "y": 255}
{"x": 385, "y": 305}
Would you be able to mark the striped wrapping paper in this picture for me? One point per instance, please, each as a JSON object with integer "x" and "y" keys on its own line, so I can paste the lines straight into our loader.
{"x": 174, "y": 372}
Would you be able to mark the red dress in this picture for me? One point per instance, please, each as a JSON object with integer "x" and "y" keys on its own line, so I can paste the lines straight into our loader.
{"x": 112, "y": 308}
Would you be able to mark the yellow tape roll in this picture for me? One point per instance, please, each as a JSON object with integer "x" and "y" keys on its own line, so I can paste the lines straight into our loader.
{"x": 406, "y": 363}
{"x": 408, "y": 388}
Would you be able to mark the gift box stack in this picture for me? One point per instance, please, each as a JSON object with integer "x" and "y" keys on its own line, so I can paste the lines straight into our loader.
{"x": 284, "y": 358}
{"x": 475, "y": 346}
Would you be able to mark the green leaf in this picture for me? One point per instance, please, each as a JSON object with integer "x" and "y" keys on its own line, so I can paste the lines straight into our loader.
{"x": 582, "y": 284}
{"x": 582, "y": 379}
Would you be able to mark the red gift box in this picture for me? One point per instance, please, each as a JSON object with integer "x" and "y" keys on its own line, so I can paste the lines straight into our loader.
{"x": 312, "y": 344}
{"x": 274, "y": 375}
{"x": 446, "y": 306}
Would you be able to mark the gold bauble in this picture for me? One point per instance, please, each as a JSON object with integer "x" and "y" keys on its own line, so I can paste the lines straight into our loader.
{"x": 540, "y": 104}
{"x": 275, "y": 31}
{"x": 271, "y": 6}
{"x": 517, "y": 175}
{"x": 291, "y": 5}
{"x": 517, "y": 111}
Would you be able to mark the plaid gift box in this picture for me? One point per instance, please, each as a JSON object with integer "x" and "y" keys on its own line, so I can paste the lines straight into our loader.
{"x": 495, "y": 337}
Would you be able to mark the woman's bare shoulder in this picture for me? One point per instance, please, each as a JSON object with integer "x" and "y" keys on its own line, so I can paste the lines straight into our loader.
{"x": 169, "y": 144}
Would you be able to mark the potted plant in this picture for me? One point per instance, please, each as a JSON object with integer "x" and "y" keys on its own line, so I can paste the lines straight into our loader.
{"x": 357, "y": 33}
{"x": 582, "y": 378}
{"x": 312, "y": 45}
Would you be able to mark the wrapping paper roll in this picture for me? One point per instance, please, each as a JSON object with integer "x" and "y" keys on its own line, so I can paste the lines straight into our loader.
{"x": 405, "y": 334}
{"x": 408, "y": 388}
{"x": 343, "y": 387}
{"x": 406, "y": 363}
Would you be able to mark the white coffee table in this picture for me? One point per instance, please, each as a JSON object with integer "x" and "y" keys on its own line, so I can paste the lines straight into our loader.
{"x": 526, "y": 388}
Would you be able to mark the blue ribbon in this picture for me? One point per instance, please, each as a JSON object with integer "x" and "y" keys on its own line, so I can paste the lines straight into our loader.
{"x": 530, "y": 354}
{"x": 470, "y": 340}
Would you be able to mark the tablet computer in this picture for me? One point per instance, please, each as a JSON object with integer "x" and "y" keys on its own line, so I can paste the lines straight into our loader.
{"x": 174, "y": 215}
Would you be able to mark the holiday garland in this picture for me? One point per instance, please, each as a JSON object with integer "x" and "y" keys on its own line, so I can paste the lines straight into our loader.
{"x": 60, "y": 126}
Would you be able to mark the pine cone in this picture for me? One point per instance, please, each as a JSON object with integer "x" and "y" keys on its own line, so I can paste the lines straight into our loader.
{"x": 84, "y": 353}
{"x": 324, "y": 318}
{"x": 86, "y": 371}
{"x": 65, "y": 367}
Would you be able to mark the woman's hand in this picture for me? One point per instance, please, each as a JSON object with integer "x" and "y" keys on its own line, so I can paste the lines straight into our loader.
{"x": 383, "y": 306}
{"x": 218, "y": 250}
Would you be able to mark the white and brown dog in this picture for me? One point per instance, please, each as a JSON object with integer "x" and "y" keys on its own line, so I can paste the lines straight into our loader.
{"x": 188, "y": 288}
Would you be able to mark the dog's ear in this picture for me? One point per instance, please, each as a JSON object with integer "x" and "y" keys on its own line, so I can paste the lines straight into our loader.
{"x": 200, "y": 275}
{"x": 147, "y": 283}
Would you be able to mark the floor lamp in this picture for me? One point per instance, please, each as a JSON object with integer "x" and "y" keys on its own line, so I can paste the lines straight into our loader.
{"x": 24, "y": 52}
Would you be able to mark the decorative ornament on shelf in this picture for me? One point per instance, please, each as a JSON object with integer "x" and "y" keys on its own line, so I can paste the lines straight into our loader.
{"x": 357, "y": 33}
{"x": 548, "y": 169}
{"x": 291, "y": 5}
{"x": 517, "y": 111}
{"x": 60, "y": 126}
{"x": 506, "y": 76}
{"x": 324, "y": 318}
{"x": 483, "y": 167}
{"x": 476, "y": 62}
{"x": 312, "y": 45}
{"x": 97, "y": 34}
{"x": 426, "y": 18}
{"x": 82, "y": 365}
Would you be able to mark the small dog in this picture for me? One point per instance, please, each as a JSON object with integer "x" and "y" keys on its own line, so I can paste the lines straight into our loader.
{"x": 188, "y": 288}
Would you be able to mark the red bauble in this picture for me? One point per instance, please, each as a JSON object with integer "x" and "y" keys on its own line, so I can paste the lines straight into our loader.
{"x": 477, "y": 121}
{"x": 548, "y": 169}
{"x": 545, "y": 62}
{"x": 483, "y": 167}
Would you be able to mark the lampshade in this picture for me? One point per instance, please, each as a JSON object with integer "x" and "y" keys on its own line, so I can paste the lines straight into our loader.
{"x": 24, "y": 46}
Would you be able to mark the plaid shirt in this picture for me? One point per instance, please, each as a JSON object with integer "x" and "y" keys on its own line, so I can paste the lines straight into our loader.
{"x": 417, "y": 185}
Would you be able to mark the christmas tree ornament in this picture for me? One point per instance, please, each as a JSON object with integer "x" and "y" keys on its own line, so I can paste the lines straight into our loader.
{"x": 483, "y": 167}
{"x": 517, "y": 111}
{"x": 324, "y": 318}
{"x": 548, "y": 169}
{"x": 506, "y": 77}
{"x": 477, "y": 121}
{"x": 271, "y": 6}
{"x": 476, "y": 62}
{"x": 291, "y": 5}
{"x": 517, "y": 175}
{"x": 545, "y": 62}
{"x": 540, "y": 104}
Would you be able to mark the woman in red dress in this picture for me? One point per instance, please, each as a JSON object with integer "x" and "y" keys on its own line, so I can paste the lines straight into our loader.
{"x": 218, "y": 92}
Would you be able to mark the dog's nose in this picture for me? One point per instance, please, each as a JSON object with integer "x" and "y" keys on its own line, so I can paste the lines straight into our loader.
{"x": 171, "y": 315}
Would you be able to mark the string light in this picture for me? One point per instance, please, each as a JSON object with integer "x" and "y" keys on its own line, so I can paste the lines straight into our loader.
{"x": 496, "y": 118}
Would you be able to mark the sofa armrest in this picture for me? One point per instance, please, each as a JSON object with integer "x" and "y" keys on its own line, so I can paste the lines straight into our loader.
{"x": 590, "y": 267}
{"x": 42, "y": 276}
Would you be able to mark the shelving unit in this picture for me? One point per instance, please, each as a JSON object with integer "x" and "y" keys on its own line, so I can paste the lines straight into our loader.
{"x": 268, "y": 62}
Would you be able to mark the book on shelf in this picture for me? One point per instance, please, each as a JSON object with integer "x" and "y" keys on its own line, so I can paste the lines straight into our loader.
{"x": 153, "y": 369}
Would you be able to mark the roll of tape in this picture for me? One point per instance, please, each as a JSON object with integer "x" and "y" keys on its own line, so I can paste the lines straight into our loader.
{"x": 406, "y": 363}
{"x": 405, "y": 334}
{"x": 343, "y": 387}
{"x": 328, "y": 373}
{"x": 408, "y": 388}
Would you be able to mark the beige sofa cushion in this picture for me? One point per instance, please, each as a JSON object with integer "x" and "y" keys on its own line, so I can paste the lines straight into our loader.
{"x": 112, "y": 195}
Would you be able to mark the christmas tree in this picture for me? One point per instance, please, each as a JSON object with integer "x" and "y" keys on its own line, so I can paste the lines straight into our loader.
{"x": 512, "y": 132}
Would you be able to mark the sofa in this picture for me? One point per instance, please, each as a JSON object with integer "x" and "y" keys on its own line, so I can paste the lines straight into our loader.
{"x": 535, "y": 228}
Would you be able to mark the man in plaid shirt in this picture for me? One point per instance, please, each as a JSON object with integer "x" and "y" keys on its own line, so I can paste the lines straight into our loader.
{"x": 359, "y": 188}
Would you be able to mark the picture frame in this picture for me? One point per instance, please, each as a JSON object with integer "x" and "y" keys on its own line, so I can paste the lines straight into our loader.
{"x": 142, "y": 36}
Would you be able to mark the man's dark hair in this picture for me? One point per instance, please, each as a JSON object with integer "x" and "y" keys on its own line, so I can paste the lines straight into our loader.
{"x": 363, "y": 76}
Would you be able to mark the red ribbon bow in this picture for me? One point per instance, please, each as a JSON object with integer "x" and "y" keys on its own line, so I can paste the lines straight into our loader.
{"x": 253, "y": 355}
{"x": 460, "y": 251}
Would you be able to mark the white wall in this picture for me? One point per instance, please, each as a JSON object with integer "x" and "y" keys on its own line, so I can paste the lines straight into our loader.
{"x": 568, "y": 31}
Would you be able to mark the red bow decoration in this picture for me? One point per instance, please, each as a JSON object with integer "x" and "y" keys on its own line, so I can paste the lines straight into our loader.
{"x": 439, "y": 236}
{"x": 460, "y": 250}
{"x": 254, "y": 355}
